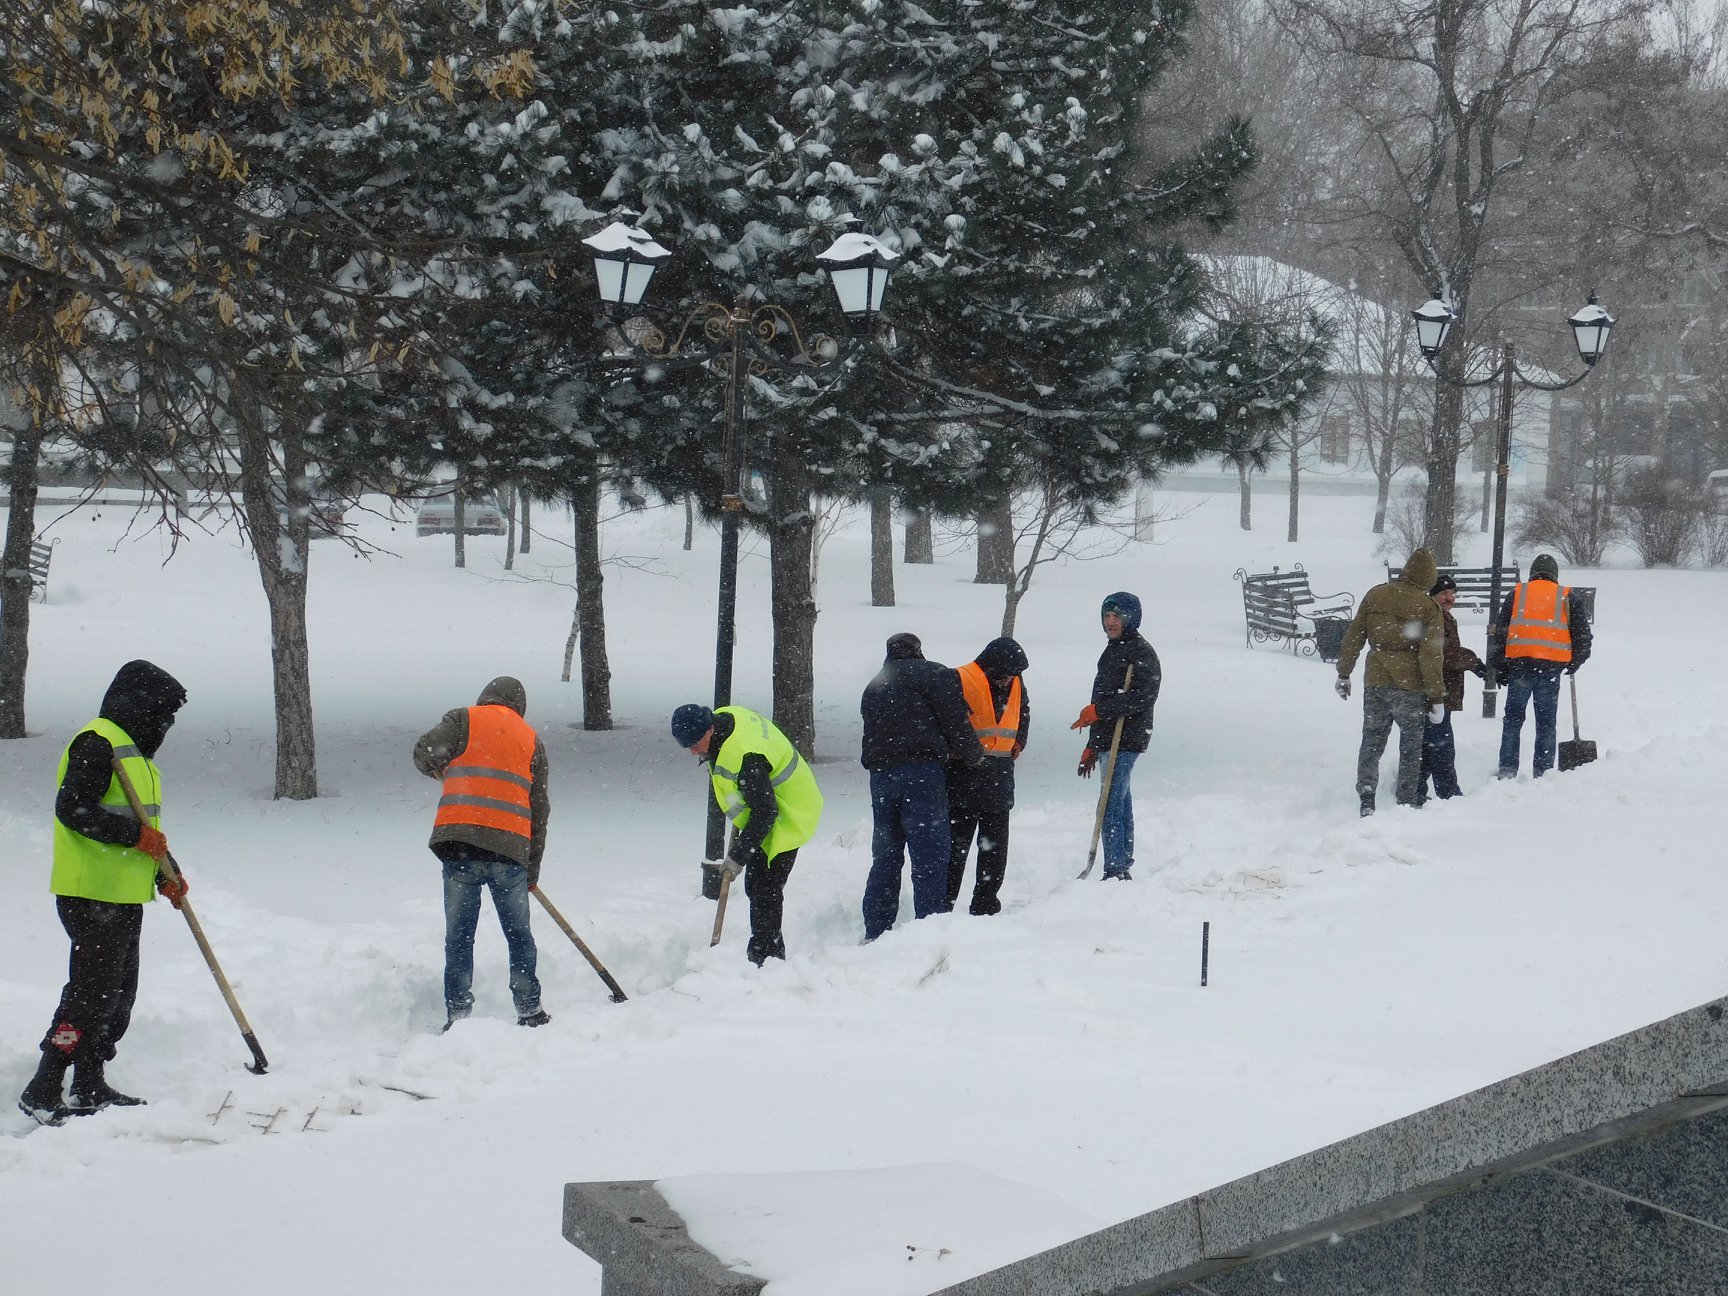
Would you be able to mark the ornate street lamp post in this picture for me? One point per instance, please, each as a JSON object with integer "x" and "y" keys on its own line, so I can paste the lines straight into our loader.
{"x": 1434, "y": 322}
{"x": 734, "y": 342}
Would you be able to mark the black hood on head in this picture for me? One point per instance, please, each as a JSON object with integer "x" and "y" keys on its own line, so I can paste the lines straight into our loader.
{"x": 1543, "y": 567}
{"x": 905, "y": 647}
{"x": 506, "y": 690}
{"x": 1002, "y": 659}
{"x": 142, "y": 700}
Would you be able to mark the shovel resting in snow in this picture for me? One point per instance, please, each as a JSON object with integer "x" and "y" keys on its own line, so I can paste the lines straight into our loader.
{"x": 1577, "y": 751}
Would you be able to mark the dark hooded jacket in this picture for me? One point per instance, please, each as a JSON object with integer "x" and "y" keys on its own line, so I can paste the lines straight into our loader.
{"x": 448, "y": 739}
{"x": 142, "y": 700}
{"x": 1134, "y": 705}
{"x": 1542, "y": 567}
{"x": 989, "y": 785}
{"x": 914, "y": 711}
{"x": 1403, "y": 631}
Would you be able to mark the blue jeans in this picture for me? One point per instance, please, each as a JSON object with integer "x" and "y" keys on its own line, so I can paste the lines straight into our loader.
{"x": 1538, "y": 683}
{"x": 466, "y": 871}
{"x": 910, "y": 806}
{"x": 1119, "y": 815}
{"x": 1440, "y": 759}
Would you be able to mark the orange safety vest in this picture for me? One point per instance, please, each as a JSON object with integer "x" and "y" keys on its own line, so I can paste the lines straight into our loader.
{"x": 996, "y": 734}
{"x": 487, "y": 786}
{"x": 1541, "y": 622}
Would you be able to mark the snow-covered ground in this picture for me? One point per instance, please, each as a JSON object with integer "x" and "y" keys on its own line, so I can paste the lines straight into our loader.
{"x": 872, "y": 1119}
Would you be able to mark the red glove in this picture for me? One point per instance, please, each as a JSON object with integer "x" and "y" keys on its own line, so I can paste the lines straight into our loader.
{"x": 1088, "y": 717}
{"x": 1088, "y": 763}
{"x": 173, "y": 891}
{"x": 153, "y": 843}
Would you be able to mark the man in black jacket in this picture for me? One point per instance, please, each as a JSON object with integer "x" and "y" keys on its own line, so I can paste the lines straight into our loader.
{"x": 980, "y": 797}
{"x": 1541, "y": 633}
{"x": 105, "y": 871}
{"x": 1115, "y": 697}
{"x": 914, "y": 723}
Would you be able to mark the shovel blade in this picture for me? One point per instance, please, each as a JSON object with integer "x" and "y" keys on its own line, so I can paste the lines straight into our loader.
{"x": 1575, "y": 752}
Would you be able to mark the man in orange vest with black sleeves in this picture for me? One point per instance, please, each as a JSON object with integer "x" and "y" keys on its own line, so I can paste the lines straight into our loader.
{"x": 1541, "y": 633}
{"x": 490, "y": 832}
{"x": 980, "y": 796}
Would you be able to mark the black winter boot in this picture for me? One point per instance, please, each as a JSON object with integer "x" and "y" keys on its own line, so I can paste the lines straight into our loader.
{"x": 539, "y": 1017}
{"x": 91, "y": 1093}
{"x": 42, "y": 1100}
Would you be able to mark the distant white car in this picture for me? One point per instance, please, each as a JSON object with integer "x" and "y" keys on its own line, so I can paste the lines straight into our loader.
{"x": 481, "y": 515}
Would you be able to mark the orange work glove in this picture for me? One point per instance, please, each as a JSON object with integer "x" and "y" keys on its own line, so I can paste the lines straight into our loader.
{"x": 173, "y": 891}
{"x": 153, "y": 843}
{"x": 1088, "y": 763}
{"x": 1088, "y": 717}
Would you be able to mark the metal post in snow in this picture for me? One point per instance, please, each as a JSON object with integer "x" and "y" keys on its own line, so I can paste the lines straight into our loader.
{"x": 1205, "y": 949}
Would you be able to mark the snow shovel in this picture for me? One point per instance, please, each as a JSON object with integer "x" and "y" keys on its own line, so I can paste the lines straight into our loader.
{"x": 1578, "y": 751}
{"x": 1104, "y": 791}
{"x": 720, "y": 909}
{"x": 171, "y": 871}
{"x": 618, "y": 995}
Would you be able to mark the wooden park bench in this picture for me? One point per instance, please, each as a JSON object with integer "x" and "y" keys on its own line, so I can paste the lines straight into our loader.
{"x": 1280, "y": 607}
{"x": 41, "y": 553}
{"x": 1475, "y": 584}
{"x": 1479, "y": 582}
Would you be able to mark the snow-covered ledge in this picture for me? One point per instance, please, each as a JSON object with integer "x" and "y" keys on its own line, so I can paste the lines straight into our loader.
{"x": 1603, "y": 1170}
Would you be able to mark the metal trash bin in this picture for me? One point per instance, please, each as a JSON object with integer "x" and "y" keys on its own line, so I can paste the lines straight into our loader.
{"x": 1329, "y": 637}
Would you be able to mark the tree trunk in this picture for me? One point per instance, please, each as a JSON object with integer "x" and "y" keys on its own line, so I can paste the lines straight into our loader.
{"x": 1245, "y": 499}
{"x": 791, "y": 533}
{"x": 15, "y": 578}
{"x": 509, "y": 528}
{"x": 920, "y": 542}
{"x": 1383, "y": 478}
{"x": 689, "y": 523}
{"x": 881, "y": 549}
{"x": 590, "y": 607}
{"x": 1295, "y": 488}
{"x": 1440, "y": 506}
{"x": 459, "y": 515}
{"x": 281, "y": 555}
{"x": 995, "y": 544}
{"x": 523, "y": 504}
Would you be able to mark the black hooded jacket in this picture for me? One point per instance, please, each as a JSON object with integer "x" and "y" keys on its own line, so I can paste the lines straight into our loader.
{"x": 914, "y": 711}
{"x": 142, "y": 700}
{"x": 1133, "y": 704}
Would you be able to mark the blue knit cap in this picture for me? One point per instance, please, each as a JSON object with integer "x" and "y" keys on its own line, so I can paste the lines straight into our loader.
{"x": 690, "y": 722}
{"x": 1124, "y": 605}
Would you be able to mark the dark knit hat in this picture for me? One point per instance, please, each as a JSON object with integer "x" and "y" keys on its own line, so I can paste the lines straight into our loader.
{"x": 1543, "y": 567}
{"x": 690, "y": 722}
{"x": 1444, "y": 583}
{"x": 905, "y": 646}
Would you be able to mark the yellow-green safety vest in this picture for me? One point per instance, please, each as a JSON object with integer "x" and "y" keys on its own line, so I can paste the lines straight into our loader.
{"x": 796, "y": 796}
{"x": 97, "y": 870}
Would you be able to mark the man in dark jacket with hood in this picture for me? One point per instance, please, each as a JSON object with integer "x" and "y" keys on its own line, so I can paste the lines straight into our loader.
{"x": 914, "y": 724}
{"x": 105, "y": 871}
{"x": 490, "y": 831}
{"x": 980, "y": 796}
{"x": 1114, "y": 697}
{"x": 1541, "y": 633}
{"x": 1404, "y": 680}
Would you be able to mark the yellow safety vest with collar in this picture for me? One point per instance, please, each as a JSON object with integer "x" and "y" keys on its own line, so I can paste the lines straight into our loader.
{"x": 796, "y": 796}
{"x": 94, "y": 870}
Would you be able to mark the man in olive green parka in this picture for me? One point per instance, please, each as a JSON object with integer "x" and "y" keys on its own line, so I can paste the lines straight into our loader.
{"x": 1404, "y": 681}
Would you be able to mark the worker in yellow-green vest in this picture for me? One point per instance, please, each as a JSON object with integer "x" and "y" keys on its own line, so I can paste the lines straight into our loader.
{"x": 105, "y": 872}
{"x": 769, "y": 794}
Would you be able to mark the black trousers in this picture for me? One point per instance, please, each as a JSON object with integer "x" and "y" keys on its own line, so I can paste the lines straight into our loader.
{"x": 101, "y": 979}
{"x": 967, "y": 816}
{"x": 765, "y": 884}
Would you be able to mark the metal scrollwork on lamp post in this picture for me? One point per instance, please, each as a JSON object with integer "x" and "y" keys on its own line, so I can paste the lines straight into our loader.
{"x": 1434, "y": 322}
{"x": 748, "y": 338}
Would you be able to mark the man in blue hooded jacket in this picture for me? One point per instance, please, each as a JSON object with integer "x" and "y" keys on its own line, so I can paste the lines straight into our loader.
{"x": 1116, "y": 697}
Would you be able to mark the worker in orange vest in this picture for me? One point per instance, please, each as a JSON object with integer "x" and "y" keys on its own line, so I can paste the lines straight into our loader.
{"x": 1541, "y": 633}
{"x": 980, "y": 796}
{"x": 490, "y": 832}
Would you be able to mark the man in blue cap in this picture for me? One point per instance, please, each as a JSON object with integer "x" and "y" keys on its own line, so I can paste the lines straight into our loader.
{"x": 1116, "y": 697}
{"x": 769, "y": 793}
